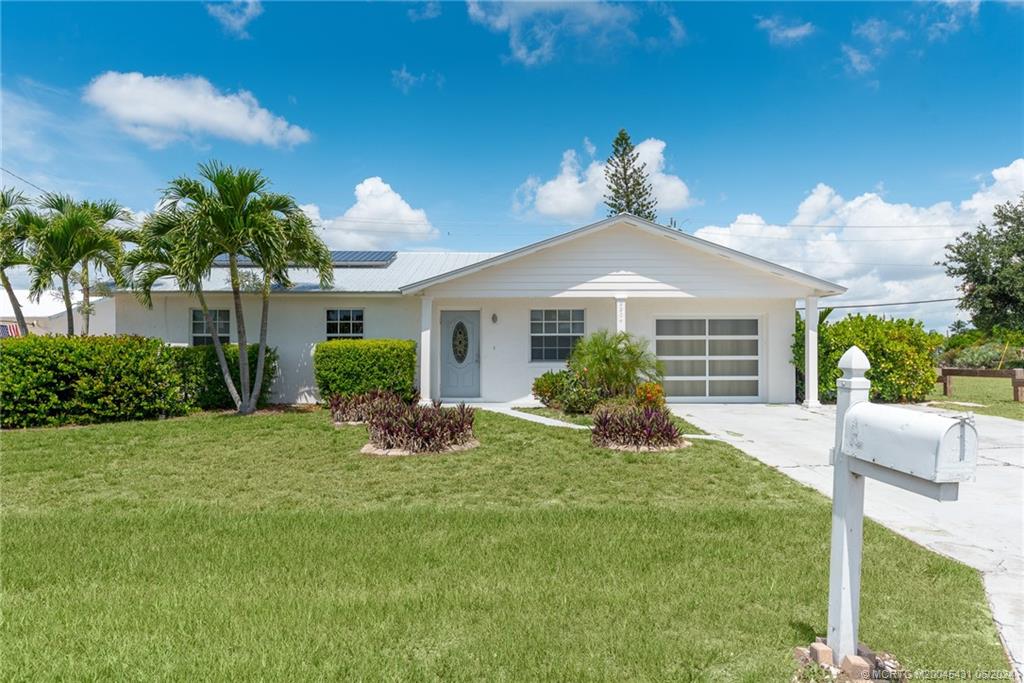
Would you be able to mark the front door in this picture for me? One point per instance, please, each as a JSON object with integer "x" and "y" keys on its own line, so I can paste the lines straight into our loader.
{"x": 460, "y": 354}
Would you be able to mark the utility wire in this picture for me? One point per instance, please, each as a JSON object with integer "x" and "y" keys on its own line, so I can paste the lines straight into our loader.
{"x": 24, "y": 180}
{"x": 890, "y": 303}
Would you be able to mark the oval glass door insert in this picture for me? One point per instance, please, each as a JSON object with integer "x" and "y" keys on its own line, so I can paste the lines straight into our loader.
{"x": 460, "y": 342}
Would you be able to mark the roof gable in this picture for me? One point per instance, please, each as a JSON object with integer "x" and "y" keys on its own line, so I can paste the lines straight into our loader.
{"x": 800, "y": 284}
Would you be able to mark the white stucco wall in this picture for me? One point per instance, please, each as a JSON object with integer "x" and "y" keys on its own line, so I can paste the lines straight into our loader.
{"x": 297, "y": 323}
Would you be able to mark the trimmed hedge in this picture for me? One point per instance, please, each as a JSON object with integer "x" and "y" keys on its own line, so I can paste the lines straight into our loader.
{"x": 83, "y": 380}
{"x": 358, "y": 366}
{"x": 202, "y": 382}
{"x": 899, "y": 349}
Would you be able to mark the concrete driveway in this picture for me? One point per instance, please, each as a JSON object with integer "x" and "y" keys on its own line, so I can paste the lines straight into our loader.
{"x": 983, "y": 529}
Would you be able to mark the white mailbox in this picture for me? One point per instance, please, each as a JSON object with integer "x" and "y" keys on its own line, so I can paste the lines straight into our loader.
{"x": 920, "y": 452}
{"x": 931, "y": 447}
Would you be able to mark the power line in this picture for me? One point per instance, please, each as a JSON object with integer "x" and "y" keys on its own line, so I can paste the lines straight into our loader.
{"x": 24, "y": 180}
{"x": 892, "y": 303}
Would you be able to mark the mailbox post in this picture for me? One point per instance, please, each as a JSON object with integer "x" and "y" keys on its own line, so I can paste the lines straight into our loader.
{"x": 924, "y": 453}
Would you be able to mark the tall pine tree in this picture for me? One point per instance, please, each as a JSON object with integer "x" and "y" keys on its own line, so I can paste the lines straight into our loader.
{"x": 629, "y": 188}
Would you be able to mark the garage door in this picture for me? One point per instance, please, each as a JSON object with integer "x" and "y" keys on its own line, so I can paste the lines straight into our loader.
{"x": 710, "y": 358}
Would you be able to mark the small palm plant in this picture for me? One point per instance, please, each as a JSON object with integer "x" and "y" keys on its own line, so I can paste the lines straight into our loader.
{"x": 614, "y": 363}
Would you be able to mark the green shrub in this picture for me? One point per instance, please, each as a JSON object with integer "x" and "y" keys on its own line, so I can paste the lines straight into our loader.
{"x": 549, "y": 387}
{"x": 203, "y": 384}
{"x": 357, "y": 366}
{"x": 982, "y": 356}
{"x": 84, "y": 380}
{"x": 900, "y": 352}
{"x": 614, "y": 363}
{"x": 577, "y": 396}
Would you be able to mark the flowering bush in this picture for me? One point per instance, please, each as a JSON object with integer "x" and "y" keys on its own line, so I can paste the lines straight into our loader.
{"x": 639, "y": 428}
{"x": 650, "y": 395}
{"x": 549, "y": 386}
{"x": 419, "y": 429}
{"x": 357, "y": 407}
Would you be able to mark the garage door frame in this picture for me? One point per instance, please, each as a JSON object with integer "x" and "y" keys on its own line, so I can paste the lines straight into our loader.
{"x": 761, "y": 356}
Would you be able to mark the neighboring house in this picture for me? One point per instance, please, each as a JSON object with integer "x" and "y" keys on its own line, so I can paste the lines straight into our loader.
{"x": 48, "y": 315}
{"x": 488, "y": 324}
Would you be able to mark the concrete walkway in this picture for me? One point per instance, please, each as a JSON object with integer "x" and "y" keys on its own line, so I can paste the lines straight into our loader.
{"x": 983, "y": 529}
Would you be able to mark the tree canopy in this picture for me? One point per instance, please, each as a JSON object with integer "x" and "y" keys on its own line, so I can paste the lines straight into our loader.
{"x": 989, "y": 265}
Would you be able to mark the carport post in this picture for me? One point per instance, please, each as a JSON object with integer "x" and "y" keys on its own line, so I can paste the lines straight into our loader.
{"x": 811, "y": 352}
{"x": 847, "y": 514}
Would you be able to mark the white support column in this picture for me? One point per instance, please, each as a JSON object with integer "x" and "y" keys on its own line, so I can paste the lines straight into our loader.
{"x": 620, "y": 314}
{"x": 426, "y": 322}
{"x": 811, "y": 352}
{"x": 847, "y": 515}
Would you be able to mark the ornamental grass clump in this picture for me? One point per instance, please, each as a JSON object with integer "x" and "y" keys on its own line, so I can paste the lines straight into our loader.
{"x": 395, "y": 425}
{"x": 635, "y": 428}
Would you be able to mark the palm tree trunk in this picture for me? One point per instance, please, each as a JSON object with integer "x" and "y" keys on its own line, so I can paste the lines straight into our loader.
{"x": 15, "y": 304}
{"x": 257, "y": 384}
{"x": 86, "y": 311}
{"x": 243, "y": 349}
{"x": 67, "y": 304}
{"x": 219, "y": 348}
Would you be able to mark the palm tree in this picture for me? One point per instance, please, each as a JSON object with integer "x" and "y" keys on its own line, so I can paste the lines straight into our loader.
{"x": 59, "y": 242}
{"x": 12, "y": 246}
{"x": 230, "y": 213}
{"x": 106, "y": 214}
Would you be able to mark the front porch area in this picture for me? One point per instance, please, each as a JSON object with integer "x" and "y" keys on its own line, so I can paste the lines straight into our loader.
{"x": 713, "y": 350}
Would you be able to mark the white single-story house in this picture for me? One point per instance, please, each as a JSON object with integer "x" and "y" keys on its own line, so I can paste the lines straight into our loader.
{"x": 487, "y": 324}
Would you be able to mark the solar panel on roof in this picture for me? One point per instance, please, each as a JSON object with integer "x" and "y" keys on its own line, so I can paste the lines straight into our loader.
{"x": 363, "y": 259}
{"x": 339, "y": 259}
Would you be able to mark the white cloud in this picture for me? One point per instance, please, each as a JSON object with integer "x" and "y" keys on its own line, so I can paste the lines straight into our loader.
{"x": 162, "y": 109}
{"x": 577, "y": 192}
{"x": 405, "y": 80}
{"x": 429, "y": 10}
{"x": 881, "y": 263}
{"x": 781, "y": 32}
{"x": 879, "y": 33}
{"x": 535, "y": 29}
{"x": 235, "y": 15}
{"x": 380, "y": 218}
{"x": 856, "y": 61}
{"x": 947, "y": 17}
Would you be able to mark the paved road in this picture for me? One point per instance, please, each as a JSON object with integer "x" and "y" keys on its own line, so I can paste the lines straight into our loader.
{"x": 983, "y": 529}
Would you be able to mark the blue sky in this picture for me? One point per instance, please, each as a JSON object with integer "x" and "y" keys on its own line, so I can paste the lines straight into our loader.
{"x": 483, "y": 126}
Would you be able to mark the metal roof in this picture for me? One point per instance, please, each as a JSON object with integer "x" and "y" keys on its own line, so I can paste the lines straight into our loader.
{"x": 406, "y": 267}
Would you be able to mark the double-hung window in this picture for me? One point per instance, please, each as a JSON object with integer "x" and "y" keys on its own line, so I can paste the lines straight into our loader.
{"x": 554, "y": 331}
{"x": 345, "y": 323}
{"x": 201, "y": 332}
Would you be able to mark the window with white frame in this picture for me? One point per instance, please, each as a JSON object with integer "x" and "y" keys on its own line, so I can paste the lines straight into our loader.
{"x": 554, "y": 331}
{"x": 345, "y": 323}
{"x": 201, "y": 333}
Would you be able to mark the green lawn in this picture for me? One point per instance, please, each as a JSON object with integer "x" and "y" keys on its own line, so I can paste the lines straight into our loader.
{"x": 993, "y": 393}
{"x": 266, "y": 547}
{"x": 588, "y": 421}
